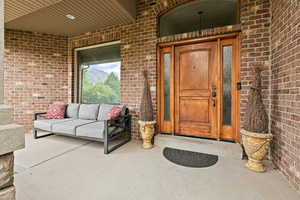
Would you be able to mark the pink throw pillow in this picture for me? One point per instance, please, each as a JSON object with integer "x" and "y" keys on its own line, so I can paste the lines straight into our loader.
{"x": 56, "y": 111}
{"x": 113, "y": 113}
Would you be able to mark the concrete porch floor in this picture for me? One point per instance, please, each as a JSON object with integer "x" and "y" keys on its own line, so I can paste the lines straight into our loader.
{"x": 64, "y": 168}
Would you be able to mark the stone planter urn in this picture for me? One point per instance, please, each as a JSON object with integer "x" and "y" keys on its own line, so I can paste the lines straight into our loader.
{"x": 256, "y": 146}
{"x": 147, "y": 129}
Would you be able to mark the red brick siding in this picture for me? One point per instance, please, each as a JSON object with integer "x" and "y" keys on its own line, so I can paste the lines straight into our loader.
{"x": 255, "y": 47}
{"x": 139, "y": 42}
{"x": 138, "y": 52}
{"x": 285, "y": 117}
{"x": 35, "y": 73}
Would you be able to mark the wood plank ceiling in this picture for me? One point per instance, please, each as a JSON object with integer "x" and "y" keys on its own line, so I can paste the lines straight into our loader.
{"x": 49, "y": 16}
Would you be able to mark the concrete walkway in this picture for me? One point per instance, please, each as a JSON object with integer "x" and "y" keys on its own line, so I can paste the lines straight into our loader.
{"x": 61, "y": 168}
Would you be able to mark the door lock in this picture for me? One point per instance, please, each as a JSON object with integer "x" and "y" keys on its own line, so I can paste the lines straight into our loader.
{"x": 213, "y": 92}
{"x": 214, "y": 102}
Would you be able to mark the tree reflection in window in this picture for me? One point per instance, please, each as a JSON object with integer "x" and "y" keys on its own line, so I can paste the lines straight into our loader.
{"x": 101, "y": 83}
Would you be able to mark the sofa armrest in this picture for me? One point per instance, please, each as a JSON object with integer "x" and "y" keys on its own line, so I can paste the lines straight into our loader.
{"x": 36, "y": 115}
{"x": 121, "y": 121}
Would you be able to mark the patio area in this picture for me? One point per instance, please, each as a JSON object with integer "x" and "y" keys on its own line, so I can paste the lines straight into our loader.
{"x": 58, "y": 167}
{"x": 194, "y": 73}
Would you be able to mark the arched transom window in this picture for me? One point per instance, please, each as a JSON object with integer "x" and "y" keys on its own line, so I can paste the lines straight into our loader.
{"x": 198, "y": 15}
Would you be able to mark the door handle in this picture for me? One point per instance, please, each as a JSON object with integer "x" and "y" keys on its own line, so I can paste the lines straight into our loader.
{"x": 214, "y": 95}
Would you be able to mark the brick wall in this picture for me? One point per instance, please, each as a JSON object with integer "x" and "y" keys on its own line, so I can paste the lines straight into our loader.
{"x": 139, "y": 42}
{"x": 255, "y": 48}
{"x": 138, "y": 52}
{"x": 285, "y": 115}
{"x": 35, "y": 73}
{"x": 1, "y": 52}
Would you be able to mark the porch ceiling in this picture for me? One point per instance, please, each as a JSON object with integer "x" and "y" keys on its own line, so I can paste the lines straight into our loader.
{"x": 49, "y": 16}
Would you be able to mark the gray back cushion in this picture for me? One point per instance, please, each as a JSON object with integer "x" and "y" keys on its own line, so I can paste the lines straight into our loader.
{"x": 72, "y": 110}
{"x": 88, "y": 111}
{"x": 105, "y": 108}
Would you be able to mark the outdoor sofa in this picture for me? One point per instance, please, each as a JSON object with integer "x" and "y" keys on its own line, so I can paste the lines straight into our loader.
{"x": 88, "y": 121}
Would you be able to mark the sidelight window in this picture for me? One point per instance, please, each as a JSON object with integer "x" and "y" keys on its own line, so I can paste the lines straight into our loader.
{"x": 167, "y": 86}
{"x": 227, "y": 73}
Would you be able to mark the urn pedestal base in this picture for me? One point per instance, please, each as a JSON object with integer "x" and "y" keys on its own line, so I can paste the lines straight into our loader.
{"x": 256, "y": 146}
{"x": 147, "y": 129}
{"x": 255, "y": 165}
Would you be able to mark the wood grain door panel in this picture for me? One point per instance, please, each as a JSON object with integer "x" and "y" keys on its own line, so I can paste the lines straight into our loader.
{"x": 193, "y": 76}
{"x": 190, "y": 108}
{"x": 195, "y": 72}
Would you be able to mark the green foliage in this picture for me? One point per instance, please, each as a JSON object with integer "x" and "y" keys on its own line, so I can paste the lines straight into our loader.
{"x": 113, "y": 82}
{"x": 107, "y": 92}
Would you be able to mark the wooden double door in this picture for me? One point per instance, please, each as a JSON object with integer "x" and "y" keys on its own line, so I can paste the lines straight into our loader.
{"x": 198, "y": 89}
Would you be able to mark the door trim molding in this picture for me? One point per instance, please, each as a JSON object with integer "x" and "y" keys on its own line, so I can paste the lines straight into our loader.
{"x": 236, "y": 62}
{"x": 199, "y": 40}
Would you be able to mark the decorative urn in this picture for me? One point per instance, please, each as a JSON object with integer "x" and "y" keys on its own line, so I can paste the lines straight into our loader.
{"x": 147, "y": 129}
{"x": 256, "y": 146}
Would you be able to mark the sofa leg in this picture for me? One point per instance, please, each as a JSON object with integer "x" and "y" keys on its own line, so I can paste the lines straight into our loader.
{"x": 35, "y": 135}
{"x": 127, "y": 132}
{"x": 108, "y": 149}
{"x": 106, "y": 146}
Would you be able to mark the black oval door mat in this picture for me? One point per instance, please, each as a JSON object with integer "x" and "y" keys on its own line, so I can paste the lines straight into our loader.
{"x": 189, "y": 158}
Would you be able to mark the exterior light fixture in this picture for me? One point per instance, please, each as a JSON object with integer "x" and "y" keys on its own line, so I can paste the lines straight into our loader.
{"x": 200, "y": 13}
{"x": 71, "y": 17}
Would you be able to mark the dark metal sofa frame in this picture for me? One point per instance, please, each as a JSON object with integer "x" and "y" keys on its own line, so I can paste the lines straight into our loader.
{"x": 122, "y": 121}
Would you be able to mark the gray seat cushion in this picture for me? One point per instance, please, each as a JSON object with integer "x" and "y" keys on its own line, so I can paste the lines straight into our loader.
{"x": 94, "y": 130}
{"x": 72, "y": 110}
{"x": 105, "y": 108}
{"x": 69, "y": 126}
{"x": 46, "y": 124}
{"x": 88, "y": 111}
